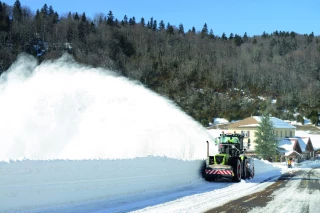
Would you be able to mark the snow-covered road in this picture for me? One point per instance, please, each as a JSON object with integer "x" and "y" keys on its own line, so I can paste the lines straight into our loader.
{"x": 301, "y": 193}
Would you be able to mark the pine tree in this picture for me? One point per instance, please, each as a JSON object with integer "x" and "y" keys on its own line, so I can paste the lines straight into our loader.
{"x": 76, "y": 17}
{"x": 110, "y": 18}
{"x": 154, "y": 26}
{"x": 181, "y": 29}
{"x": 3, "y": 17}
{"x": 162, "y": 25}
{"x": 125, "y": 20}
{"x": 132, "y": 21}
{"x": 17, "y": 11}
{"x": 45, "y": 10}
{"x": 142, "y": 22}
{"x": 245, "y": 37}
{"x": 204, "y": 30}
{"x": 231, "y": 36}
{"x": 224, "y": 37}
{"x": 238, "y": 40}
{"x": 193, "y": 30}
{"x": 151, "y": 23}
{"x": 266, "y": 141}
{"x": 170, "y": 29}
{"x": 211, "y": 35}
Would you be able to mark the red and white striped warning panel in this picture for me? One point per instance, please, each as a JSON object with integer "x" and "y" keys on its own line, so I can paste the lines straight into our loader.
{"x": 218, "y": 172}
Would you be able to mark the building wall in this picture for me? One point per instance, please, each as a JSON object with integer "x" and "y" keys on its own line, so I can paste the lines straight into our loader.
{"x": 284, "y": 133}
{"x": 250, "y": 134}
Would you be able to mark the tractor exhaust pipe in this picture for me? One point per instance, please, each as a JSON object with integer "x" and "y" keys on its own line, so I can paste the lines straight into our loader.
{"x": 207, "y": 148}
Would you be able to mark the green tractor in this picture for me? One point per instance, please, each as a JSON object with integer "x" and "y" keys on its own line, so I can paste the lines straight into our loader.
{"x": 231, "y": 162}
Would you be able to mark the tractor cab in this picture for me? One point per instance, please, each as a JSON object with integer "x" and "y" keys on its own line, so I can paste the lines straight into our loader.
{"x": 231, "y": 144}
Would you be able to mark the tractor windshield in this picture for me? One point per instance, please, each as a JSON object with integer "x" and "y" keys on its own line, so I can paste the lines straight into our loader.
{"x": 227, "y": 139}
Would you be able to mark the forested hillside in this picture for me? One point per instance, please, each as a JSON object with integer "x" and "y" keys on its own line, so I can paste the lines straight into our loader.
{"x": 207, "y": 75}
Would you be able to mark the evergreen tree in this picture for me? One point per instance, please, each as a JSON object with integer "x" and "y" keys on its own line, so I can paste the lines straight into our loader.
{"x": 231, "y": 36}
{"x": 151, "y": 23}
{"x": 204, "y": 30}
{"x": 154, "y": 26}
{"x": 266, "y": 141}
{"x": 211, "y": 34}
{"x": 51, "y": 11}
{"x": 193, "y": 30}
{"x": 76, "y": 17}
{"x": 84, "y": 17}
{"x": 110, "y": 18}
{"x": 224, "y": 36}
{"x": 17, "y": 11}
{"x": 292, "y": 34}
{"x": 125, "y": 20}
{"x": 38, "y": 20}
{"x": 265, "y": 35}
{"x": 132, "y": 21}
{"x": 245, "y": 37}
{"x": 170, "y": 29}
{"x": 238, "y": 40}
{"x": 162, "y": 25}
{"x": 254, "y": 41}
{"x": 83, "y": 27}
{"x": 45, "y": 10}
{"x": 55, "y": 18}
{"x": 4, "y": 24}
{"x": 142, "y": 22}
{"x": 181, "y": 29}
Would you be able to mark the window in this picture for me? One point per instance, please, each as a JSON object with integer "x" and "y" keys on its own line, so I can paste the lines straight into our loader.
{"x": 290, "y": 133}
{"x": 245, "y": 133}
{"x": 276, "y": 133}
{"x": 281, "y": 134}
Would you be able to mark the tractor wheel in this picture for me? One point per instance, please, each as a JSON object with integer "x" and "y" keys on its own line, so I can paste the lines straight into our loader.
{"x": 244, "y": 169}
{"x": 252, "y": 173}
{"x": 236, "y": 170}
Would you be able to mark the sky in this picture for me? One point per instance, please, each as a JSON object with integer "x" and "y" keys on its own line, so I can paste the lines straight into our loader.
{"x": 99, "y": 142}
{"x": 238, "y": 17}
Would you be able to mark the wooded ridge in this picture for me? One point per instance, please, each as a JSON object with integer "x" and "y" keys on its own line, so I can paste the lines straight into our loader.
{"x": 206, "y": 75}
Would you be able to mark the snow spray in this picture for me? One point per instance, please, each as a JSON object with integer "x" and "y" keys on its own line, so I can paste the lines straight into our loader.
{"x": 64, "y": 110}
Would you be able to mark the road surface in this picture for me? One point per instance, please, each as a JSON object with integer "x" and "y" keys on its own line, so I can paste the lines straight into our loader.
{"x": 293, "y": 192}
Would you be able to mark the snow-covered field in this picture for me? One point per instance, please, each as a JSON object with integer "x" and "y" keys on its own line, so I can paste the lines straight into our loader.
{"x": 78, "y": 139}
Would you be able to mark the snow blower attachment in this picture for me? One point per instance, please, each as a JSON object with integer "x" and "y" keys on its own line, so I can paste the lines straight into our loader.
{"x": 231, "y": 162}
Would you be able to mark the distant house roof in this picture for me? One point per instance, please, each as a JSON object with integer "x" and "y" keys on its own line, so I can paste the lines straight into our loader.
{"x": 298, "y": 144}
{"x": 289, "y": 145}
{"x": 255, "y": 120}
{"x": 305, "y": 143}
{"x": 247, "y": 122}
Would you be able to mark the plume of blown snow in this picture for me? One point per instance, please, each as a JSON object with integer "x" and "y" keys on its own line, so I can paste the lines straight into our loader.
{"x": 64, "y": 110}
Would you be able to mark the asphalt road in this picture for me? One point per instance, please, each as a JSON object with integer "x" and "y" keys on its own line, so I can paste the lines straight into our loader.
{"x": 294, "y": 192}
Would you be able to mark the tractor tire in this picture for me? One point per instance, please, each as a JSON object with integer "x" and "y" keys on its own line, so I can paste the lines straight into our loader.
{"x": 244, "y": 170}
{"x": 236, "y": 170}
{"x": 252, "y": 173}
